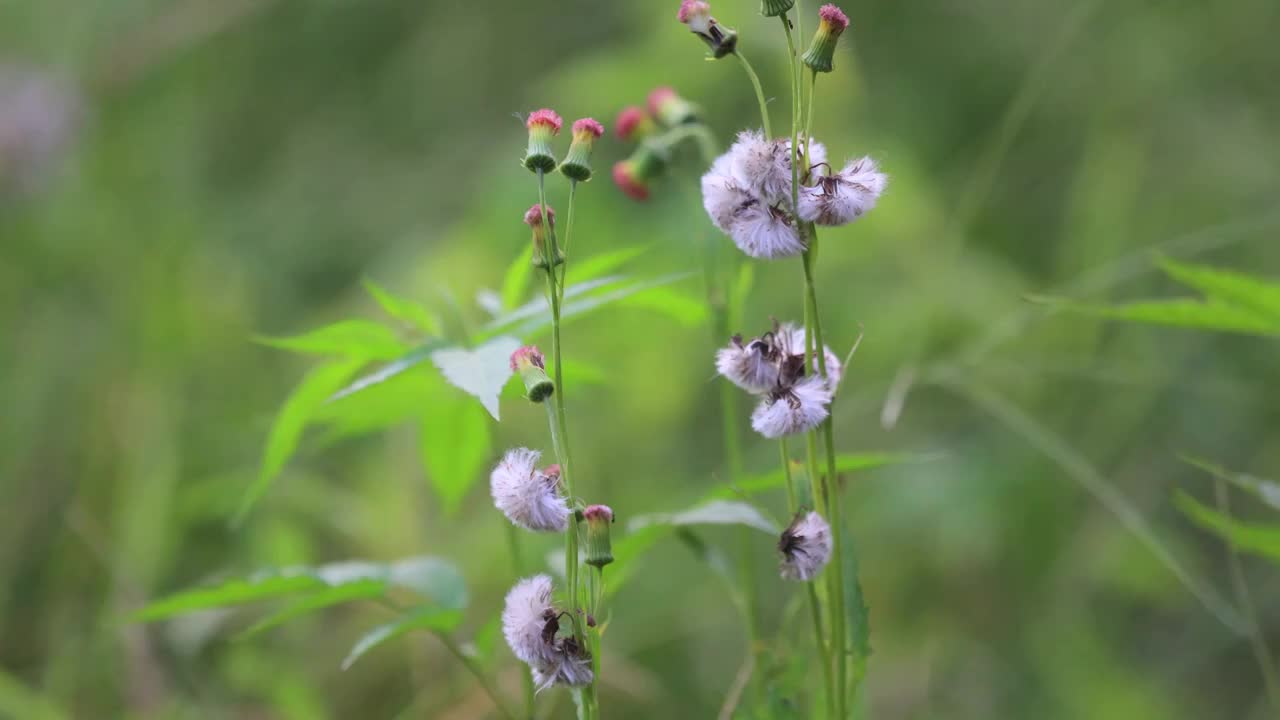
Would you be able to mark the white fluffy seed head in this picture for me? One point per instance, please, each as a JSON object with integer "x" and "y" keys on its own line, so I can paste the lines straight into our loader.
{"x": 796, "y": 409}
{"x": 796, "y": 344}
{"x": 723, "y": 194}
{"x": 844, "y": 197}
{"x": 529, "y": 498}
{"x": 570, "y": 668}
{"x": 764, "y": 166}
{"x": 751, "y": 365}
{"x": 805, "y": 546}
{"x": 765, "y": 232}
{"x": 524, "y": 616}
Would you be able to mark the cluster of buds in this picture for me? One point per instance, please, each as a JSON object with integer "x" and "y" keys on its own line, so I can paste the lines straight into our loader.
{"x": 544, "y": 125}
{"x": 793, "y": 398}
{"x": 657, "y": 128}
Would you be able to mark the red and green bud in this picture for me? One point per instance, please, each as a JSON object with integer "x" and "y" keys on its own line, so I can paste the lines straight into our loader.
{"x": 543, "y": 236}
{"x": 697, "y": 15}
{"x": 599, "y": 545}
{"x": 543, "y": 126}
{"x": 670, "y": 109}
{"x": 634, "y": 174}
{"x": 530, "y": 365}
{"x": 577, "y": 164}
{"x": 831, "y": 24}
{"x": 634, "y": 124}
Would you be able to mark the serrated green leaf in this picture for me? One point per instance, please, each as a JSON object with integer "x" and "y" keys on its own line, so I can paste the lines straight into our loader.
{"x": 428, "y": 577}
{"x": 455, "y": 446}
{"x": 353, "y": 339}
{"x": 403, "y": 309}
{"x": 715, "y": 512}
{"x": 1227, "y": 286}
{"x": 517, "y": 278}
{"x": 480, "y": 372}
{"x": 328, "y": 597}
{"x": 291, "y": 422}
{"x": 1268, "y": 491}
{"x": 1259, "y": 539}
{"x": 422, "y": 618}
{"x": 679, "y": 307}
{"x": 845, "y": 463}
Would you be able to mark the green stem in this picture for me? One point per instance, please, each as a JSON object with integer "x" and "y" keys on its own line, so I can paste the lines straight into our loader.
{"x": 568, "y": 231}
{"x": 480, "y": 675}
{"x": 836, "y": 584}
{"x": 793, "y": 66}
{"x": 808, "y": 122}
{"x": 755, "y": 83}
{"x": 815, "y": 607}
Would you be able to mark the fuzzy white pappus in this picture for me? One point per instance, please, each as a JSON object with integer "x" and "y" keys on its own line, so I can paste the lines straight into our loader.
{"x": 528, "y": 497}
{"x": 751, "y": 366}
{"x": 790, "y": 410}
{"x": 524, "y": 617}
{"x": 844, "y": 197}
{"x": 805, "y": 546}
{"x": 796, "y": 344}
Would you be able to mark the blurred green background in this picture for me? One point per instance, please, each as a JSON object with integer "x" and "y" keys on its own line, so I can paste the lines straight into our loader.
{"x": 188, "y": 174}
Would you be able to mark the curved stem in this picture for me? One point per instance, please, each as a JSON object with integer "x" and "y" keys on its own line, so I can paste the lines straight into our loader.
{"x": 755, "y": 83}
{"x": 480, "y": 675}
{"x": 568, "y": 231}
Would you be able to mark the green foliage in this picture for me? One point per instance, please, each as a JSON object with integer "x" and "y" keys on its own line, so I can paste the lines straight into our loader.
{"x": 713, "y": 512}
{"x": 1268, "y": 491}
{"x": 1233, "y": 302}
{"x": 403, "y": 309}
{"x": 845, "y": 463}
{"x": 291, "y": 422}
{"x": 1255, "y": 538}
{"x": 354, "y": 339}
{"x": 315, "y": 587}
{"x": 421, "y": 618}
{"x": 455, "y": 447}
{"x": 20, "y": 701}
{"x": 480, "y": 372}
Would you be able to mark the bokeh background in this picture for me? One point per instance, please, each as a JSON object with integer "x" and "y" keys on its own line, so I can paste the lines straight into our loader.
{"x": 179, "y": 176}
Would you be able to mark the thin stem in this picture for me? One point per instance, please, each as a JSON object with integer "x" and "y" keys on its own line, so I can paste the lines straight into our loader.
{"x": 808, "y": 122}
{"x": 1266, "y": 663}
{"x": 568, "y": 231}
{"x": 755, "y": 83}
{"x": 480, "y": 675}
{"x": 517, "y": 568}
{"x": 793, "y": 66}
{"x": 836, "y": 518}
{"x": 815, "y": 607}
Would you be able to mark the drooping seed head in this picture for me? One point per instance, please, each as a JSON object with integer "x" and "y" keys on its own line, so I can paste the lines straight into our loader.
{"x": 697, "y": 15}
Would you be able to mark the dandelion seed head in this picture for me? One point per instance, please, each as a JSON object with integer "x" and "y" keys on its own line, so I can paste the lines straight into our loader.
{"x": 790, "y": 410}
{"x": 524, "y": 617}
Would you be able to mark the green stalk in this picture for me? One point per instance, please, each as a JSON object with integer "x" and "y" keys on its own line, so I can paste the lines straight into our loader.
{"x": 568, "y": 231}
{"x": 480, "y": 675}
{"x": 808, "y": 123}
{"x": 836, "y": 584}
{"x": 517, "y": 568}
{"x": 755, "y": 83}
{"x": 560, "y": 436}
{"x": 815, "y": 607}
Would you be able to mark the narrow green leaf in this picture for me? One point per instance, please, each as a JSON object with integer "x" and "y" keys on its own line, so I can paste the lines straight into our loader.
{"x": 455, "y": 446}
{"x": 328, "y": 597}
{"x": 715, "y": 512}
{"x": 237, "y": 591}
{"x": 405, "y": 397}
{"x": 1209, "y": 315}
{"x": 845, "y": 463}
{"x": 386, "y": 372}
{"x": 516, "y": 280}
{"x": 422, "y": 618}
{"x": 1268, "y": 491}
{"x": 431, "y": 577}
{"x": 603, "y": 263}
{"x": 857, "y": 617}
{"x": 21, "y": 702}
{"x": 667, "y": 301}
{"x": 290, "y": 423}
{"x": 404, "y": 309}
{"x": 1234, "y": 288}
{"x": 354, "y": 339}
{"x": 1263, "y": 540}
{"x": 480, "y": 372}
